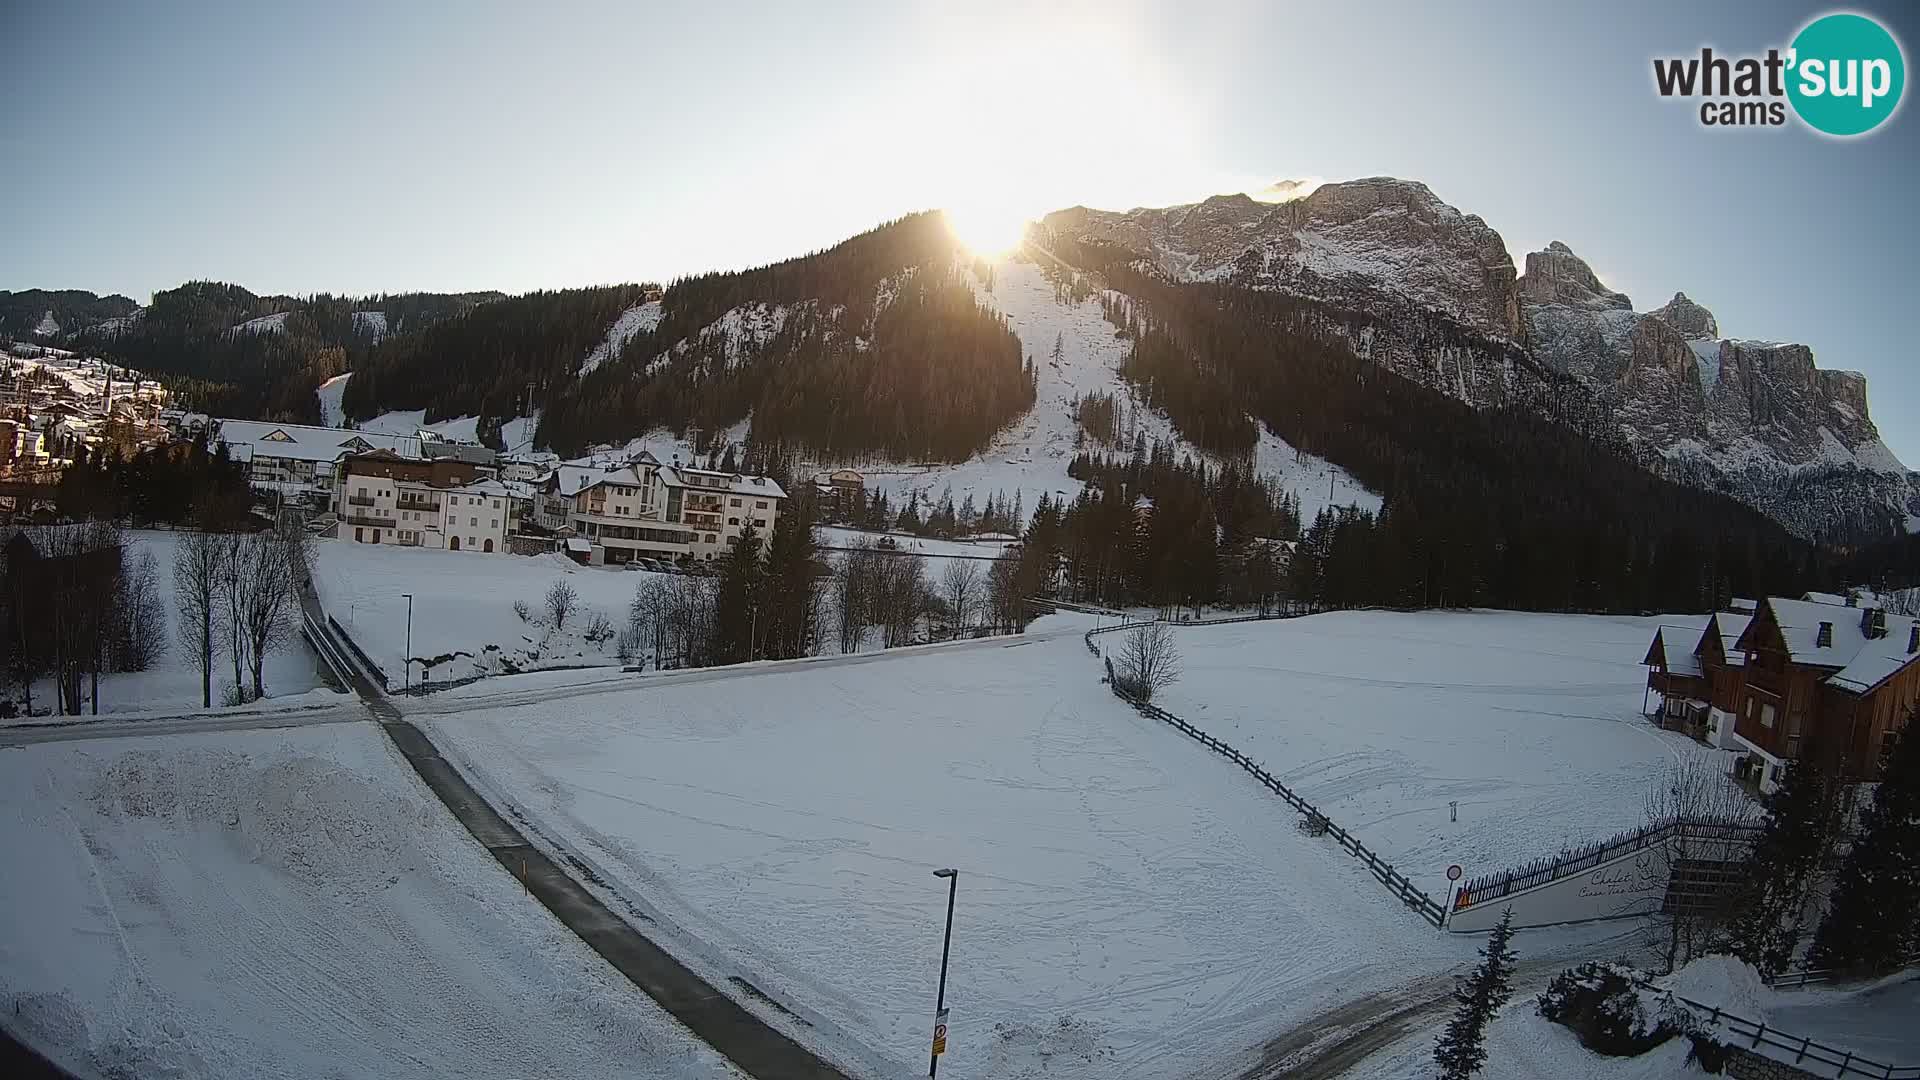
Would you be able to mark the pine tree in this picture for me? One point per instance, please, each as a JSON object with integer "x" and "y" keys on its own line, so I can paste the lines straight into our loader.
{"x": 738, "y": 620}
{"x": 1781, "y": 868}
{"x": 790, "y": 592}
{"x": 1875, "y": 916}
{"x": 1462, "y": 1048}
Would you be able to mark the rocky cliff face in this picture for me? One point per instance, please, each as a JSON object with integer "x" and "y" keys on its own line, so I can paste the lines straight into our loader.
{"x": 1755, "y": 419}
{"x": 1343, "y": 242}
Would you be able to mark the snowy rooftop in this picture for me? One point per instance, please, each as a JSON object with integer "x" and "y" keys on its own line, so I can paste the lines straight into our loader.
{"x": 1731, "y": 626}
{"x": 1864, "y": 662}
{"x": 1676, "y": 643}
{"x": 302, "y": 442}
{"x": 684, "y": 476}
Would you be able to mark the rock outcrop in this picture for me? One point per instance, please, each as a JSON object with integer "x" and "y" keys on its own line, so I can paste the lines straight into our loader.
{"x": 1755, "y": 419}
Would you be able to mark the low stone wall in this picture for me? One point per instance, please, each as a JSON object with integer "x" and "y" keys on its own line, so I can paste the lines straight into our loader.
{"x": 1743, "y": 1064}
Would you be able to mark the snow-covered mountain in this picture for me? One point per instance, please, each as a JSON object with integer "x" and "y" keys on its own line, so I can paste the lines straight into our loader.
{"x": 1756, "y": 420}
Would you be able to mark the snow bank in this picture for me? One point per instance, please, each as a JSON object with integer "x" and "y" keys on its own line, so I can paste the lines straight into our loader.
{"x": 289, "y": 904}
{"x": 1721, "y": 981}
{"x": 1128, "y": 906}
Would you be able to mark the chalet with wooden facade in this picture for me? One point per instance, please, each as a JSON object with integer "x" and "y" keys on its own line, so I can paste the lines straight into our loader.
{"x": 1796, "y": 677}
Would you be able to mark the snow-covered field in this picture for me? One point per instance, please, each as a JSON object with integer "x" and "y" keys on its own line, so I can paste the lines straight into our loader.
{"x": 291, "y": 903}
{"x": 1530, "y": 722}
{"x": 1128, "y": 905}
{"x": 463, "y": 617}
{"x": 173, "y": 683}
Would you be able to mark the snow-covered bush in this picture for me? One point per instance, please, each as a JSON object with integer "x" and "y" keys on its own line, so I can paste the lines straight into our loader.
{"x": 520, "y": 608}
{"x": 1607, "y": 1007}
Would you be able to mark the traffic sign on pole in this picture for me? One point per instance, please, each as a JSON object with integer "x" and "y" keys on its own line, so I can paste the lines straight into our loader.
{"x": 940, "y": 1033}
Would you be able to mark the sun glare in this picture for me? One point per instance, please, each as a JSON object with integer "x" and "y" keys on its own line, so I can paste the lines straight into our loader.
{"x": 987, "y": 231}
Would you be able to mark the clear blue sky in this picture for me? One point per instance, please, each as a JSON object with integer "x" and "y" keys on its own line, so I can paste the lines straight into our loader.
{"x": 344, "y": 148}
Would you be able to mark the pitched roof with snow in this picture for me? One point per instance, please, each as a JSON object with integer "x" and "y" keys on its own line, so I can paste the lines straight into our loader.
{"x": 757, "y": 486}
{"x": 1730, "y": 626}
{"x": 1674, "y": 644}
{"x": 304, "y": 442}
{"x": 1863, "y": 662}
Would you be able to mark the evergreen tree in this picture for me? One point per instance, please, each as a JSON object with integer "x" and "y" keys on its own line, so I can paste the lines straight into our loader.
{"x": 1782, "y": 866}
{"x": 738, "y": 620}
{"x": 1462, "y": 1048}
{"x": 790, "y": 592}
{"x": 1874, "y": 920}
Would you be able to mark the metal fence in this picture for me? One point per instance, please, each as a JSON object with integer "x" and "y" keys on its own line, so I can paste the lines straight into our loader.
{"x": 1579, "y": 860}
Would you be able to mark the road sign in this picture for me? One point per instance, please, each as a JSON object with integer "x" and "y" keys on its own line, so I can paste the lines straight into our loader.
{"x": 940, "y": 1033}
{"x": 1454, "y": 872}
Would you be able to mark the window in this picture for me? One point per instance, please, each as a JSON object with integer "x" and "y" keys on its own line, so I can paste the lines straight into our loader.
{"x": 494, "y": 524}
{"x": 473, "y": 522}
{"x": 496, "y": 504}
{"x": 359, "y": 536}
{"x": 760, "y": 505}
{"x": 710, "y": 538}
{"x": 363, "y": 492}
{"x": 735, "y": 502}
{"x": 1766, "y": 716}
{"x": 760, "y": 522}
{"x": 733, "y": 521}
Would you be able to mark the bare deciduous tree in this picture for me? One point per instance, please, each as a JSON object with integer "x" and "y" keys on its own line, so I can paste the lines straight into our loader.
{"x": 142, "y": 631}
{"x": 960, "y": 587}
{"x": 1003, "y": 593}
{"x": 562, "y": 601}
{"x": 854, "y": 585}
{"x": 266, "y": 567}
{"x": 198, "y": 571}
{"x": 1699, "y": 800}
{"x": 1147, "y": 662}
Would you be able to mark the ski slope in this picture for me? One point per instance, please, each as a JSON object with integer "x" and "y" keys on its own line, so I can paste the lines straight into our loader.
{"x": 1530, "y": 722}
{"x": 291, "y": 903}
{"x": 1127, "y": 905}
{"x": 1031, "y": 457}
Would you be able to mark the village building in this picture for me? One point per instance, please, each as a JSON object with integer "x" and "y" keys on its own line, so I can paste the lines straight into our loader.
{"x": 1826, "y": 679}
{"x": 644, "y": 509}
{"x": 388, "y": 498}
{"x": 298, "y": 461}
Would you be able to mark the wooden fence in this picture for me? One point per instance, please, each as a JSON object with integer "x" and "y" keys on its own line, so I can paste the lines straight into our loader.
{"x": 1397, "y": 884}
{"x": 1806, "y": 1053}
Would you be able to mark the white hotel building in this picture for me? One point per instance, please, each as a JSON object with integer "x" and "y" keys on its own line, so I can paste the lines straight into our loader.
{"x": 644, "y": 509}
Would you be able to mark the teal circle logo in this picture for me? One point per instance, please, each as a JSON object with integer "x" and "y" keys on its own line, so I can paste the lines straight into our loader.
{"x": 1845, "y": 74}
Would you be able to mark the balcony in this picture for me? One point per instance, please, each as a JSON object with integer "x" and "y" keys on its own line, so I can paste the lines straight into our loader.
{"x": 369, "y": 519}
{"x": 709, "y": 503}
{"x": 410, "y": 504}
{"x": 360, "y": 500}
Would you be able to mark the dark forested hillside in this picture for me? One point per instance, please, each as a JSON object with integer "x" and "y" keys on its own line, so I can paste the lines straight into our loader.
{"x": 203, "y": 339}
{"x": 1497, "y": 506}
{"x": 486, "y": 361}
{"x": 72, "y": 309}
{"x": 875, "y": 346}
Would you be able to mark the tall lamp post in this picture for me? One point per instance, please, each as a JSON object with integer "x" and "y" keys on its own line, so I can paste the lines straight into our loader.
{"x": 940, "y": 1003}
{"x": 407, "y": 679}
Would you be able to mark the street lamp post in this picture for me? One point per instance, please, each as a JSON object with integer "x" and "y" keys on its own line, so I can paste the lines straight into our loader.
{"x": 407, "y": 679}
{"x": 940, "y": 1003}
